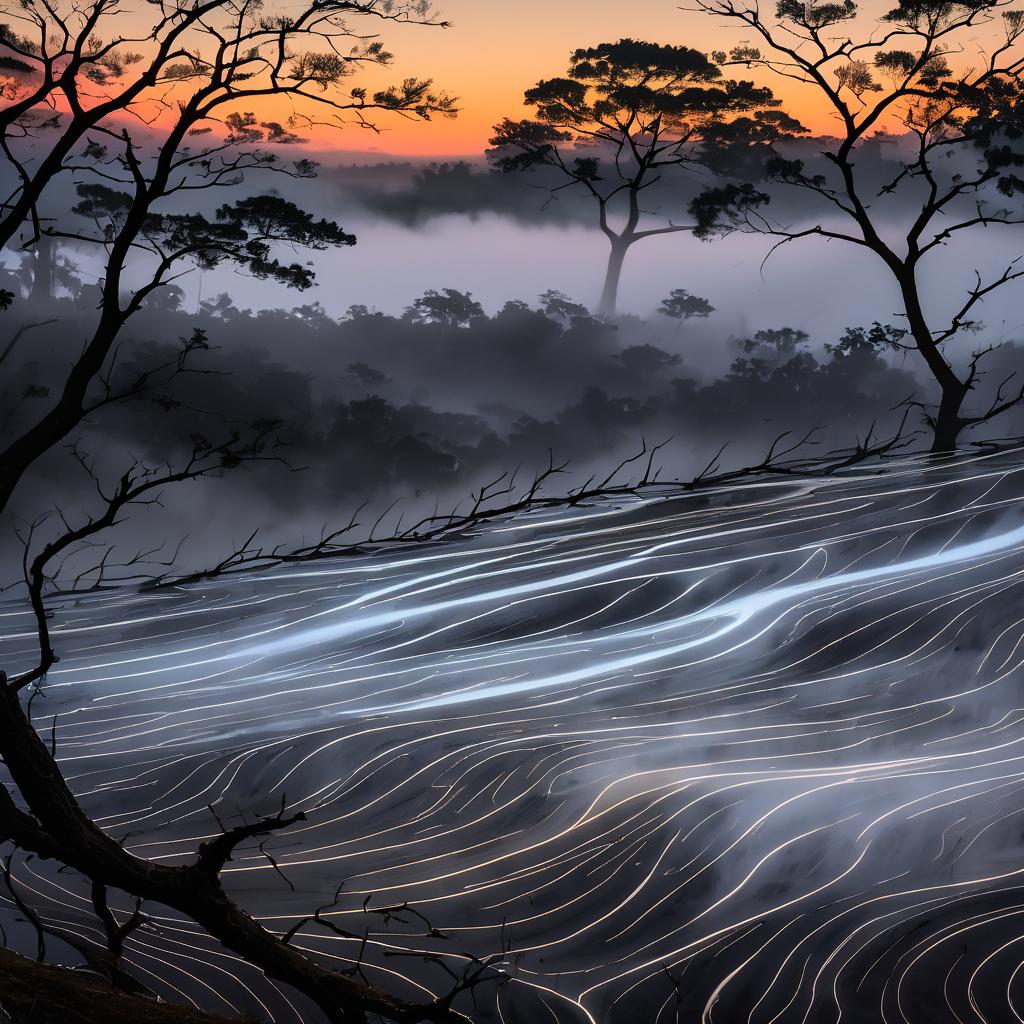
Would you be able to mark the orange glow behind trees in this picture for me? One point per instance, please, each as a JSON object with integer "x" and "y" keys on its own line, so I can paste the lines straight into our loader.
{"x": 492, "y": 52}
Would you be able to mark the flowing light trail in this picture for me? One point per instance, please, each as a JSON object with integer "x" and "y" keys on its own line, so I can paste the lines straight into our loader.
{"x": 750, "y": 756}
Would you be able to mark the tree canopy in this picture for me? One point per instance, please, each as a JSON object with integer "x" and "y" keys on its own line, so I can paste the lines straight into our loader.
{"x": 957, "y": 157}
{"x": 624, "y": 113}
{"x": 649, "y": 103}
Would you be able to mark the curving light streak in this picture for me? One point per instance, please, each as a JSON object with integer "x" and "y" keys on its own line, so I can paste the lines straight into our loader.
{"x": 756, "y": 758}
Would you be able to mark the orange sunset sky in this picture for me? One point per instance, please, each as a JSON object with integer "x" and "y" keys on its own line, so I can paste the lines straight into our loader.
{"x": 494, "y": 50}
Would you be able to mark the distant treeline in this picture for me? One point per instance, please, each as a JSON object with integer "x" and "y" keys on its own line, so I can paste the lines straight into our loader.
{"x": 426, "y": 405}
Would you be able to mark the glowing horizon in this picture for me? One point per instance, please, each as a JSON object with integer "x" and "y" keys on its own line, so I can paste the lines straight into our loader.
{"x": 489, "y": 55}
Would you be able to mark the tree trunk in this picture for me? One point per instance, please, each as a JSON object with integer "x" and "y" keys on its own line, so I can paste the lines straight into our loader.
{"x": 57, "y": 827}
{"x": 34, "y": 993}
{"x": 947, "y": 422}
{"x": 610, "y": 293}
{"x": 44, "y": 264}
{"x": 64, "y": 415}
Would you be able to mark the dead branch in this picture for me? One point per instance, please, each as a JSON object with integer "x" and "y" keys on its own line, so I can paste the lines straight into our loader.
{"x": 215, "y": 853}
{"x": 778, "y": 461}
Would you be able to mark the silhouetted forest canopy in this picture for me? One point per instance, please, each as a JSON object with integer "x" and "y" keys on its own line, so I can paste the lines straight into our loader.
{"x": 425, "y": 405}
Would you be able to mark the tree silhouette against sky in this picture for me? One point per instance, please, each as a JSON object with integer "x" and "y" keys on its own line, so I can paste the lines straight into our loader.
{"x": 626, "y": 112}
{"x": 191, "y": 76}
{"x": 916, "y": 69}
{"x": 150, "y": 116}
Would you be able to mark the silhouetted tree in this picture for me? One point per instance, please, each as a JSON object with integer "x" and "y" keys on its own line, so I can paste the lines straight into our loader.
{"x": 87, "y": 75}
{"x": 448, "y": 307}
{"x": 198, "y": 65}
{"x": 625, "y": 112}
{"x": 73, "y": 70}
{"x": 561, "y": 308}
{"x": 878, "y": 338}
{"x": 963, "y": 122}
{"x": 775, "y": 345}
{"x": 681, "y": 305}
{"x": 647, "y": 361}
